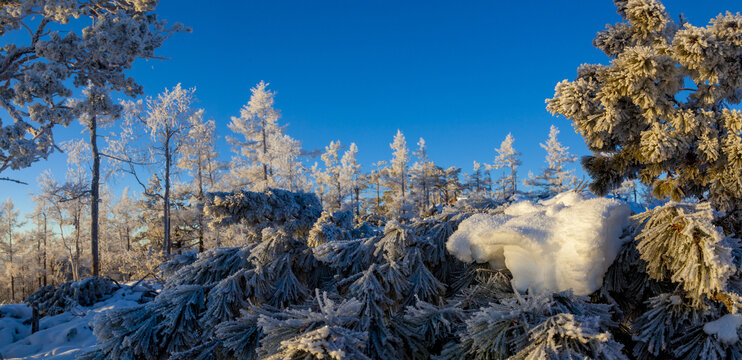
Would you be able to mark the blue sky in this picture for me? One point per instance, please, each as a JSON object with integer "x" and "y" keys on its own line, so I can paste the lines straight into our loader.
{"x": 459, "y": 74}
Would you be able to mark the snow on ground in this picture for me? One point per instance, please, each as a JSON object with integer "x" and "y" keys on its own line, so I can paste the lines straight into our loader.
{"x": 60, "y": 337}
{"x": 566, "y": 242}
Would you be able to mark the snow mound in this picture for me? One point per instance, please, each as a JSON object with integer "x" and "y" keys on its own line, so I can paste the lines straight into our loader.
{"x": 566, "y": 242}
{"x": 725, "y": 328}
{"x": 12, "y": 328}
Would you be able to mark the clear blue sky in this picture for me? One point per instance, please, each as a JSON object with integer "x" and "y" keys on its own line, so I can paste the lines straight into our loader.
{"x": 459, "y": 74}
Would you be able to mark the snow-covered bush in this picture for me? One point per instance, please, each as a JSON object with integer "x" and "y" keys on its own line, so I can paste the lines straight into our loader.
{"x": 296, "y": 212}
{"x": 331, "y": 227}
{"x": 53, "y": 300}
{"x": 324, "y": 333}
{"x": 399, "y": 293}
{"x": 537, "y": 327}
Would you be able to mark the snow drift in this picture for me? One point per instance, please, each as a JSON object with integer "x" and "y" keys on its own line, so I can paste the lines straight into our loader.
{"x": 566, "y": 242}
{"x": 60, "y": 336}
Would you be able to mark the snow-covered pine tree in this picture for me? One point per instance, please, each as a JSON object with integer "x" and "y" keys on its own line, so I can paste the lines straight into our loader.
{"x": 266, "y": 156}
{"x": 10, "y": 222}
{"x": 294, "y": 212}
{"x": 422, "y": 177}
{"x": 448, "y": 185}
{"x": 477, "y": 181}
{"x": 53, "y": 300}
{"x": 288, "y": 170}
{"x": 200, "y": 159}
{"x": 59, "y": 51}
{"x": 374, "y": 314}
{"x": 324, "y": 333}
{"x": 352, "y": 178}
{"x": 374, "y": 205}
{"x": 554, "y": 178}
{"x": 331, "y": 178}
{"x": 335, "y": 226}
{"x": 663, "y": 112}
{"x": 509, "y": 160}
{"x": 397, "y": 181}
{"x": 549, "y": 326}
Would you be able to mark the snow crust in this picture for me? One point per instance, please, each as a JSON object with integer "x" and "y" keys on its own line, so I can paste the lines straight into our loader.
{"x": 725, "y": 328}
{"x": 566, "y": 242}
{"x": 60, "y": 337}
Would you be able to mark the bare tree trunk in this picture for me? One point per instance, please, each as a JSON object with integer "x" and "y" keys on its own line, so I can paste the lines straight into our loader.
{"x": 38, "y": 251}
{"x": 426, "y": 192}
{"x": 77, "y": 245}
{"x": 94, "y": 196}
{"x": 265, "y": 151}
{"x": 358, "y": 202}
{"x": 200, "y": 213}
{"x": 166, "y": 203}
{"x": 12, "y": 273}
{"x": 378, "y": 197}
{"x": 46, "y": 233}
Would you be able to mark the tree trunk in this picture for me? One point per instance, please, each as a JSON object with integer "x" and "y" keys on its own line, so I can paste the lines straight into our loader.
{"x": 426, "y": 193}
{"x": 94, "y": 196}
{"x": 357, "y": 201}
{"x": 76, "y": 274}
{"x": 265, "y": 151}
{"x": 12, "y": 272}
{"x": 378, "y": 198}
{"x": 45, "y": 248}
{"x": 166, "y": 204}
{"x": 340, "y": 195}
{"x": 38, "y": 252}
{"x": 200, "y": 213}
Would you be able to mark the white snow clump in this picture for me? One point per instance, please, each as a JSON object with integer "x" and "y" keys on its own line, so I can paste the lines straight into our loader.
{"x": 566, "y": 242}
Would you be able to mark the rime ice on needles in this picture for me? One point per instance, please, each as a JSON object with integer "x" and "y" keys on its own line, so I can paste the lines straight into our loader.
{"x": 266, "y": 156}
{"x": 680, "y": 240}
{"x": 38, "y": 72}
{"x": 663, "y": 111}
